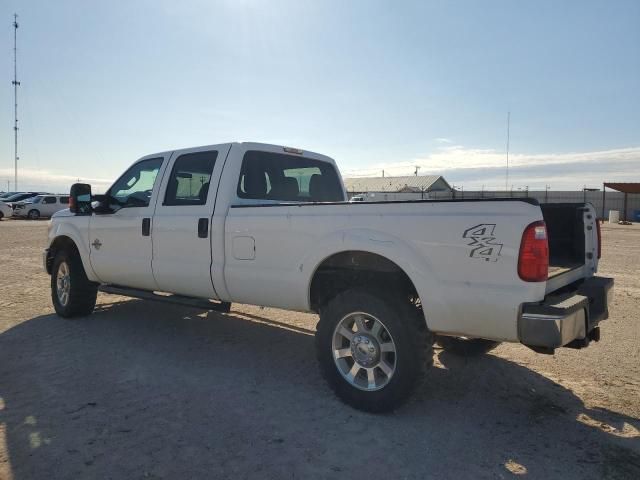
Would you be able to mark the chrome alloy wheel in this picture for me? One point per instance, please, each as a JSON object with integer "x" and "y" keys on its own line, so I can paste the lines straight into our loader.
{"x": 63, "y": 284}
{"x": 364, "y": 351}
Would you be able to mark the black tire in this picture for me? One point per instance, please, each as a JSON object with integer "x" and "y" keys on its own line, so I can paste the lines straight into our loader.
{"x": 413, "y": 348}
{"x": 82, "y": 293}
{"x": 466, "y": 347}
{"x": 1, "y": 216}
{"x": 33, "y": 214}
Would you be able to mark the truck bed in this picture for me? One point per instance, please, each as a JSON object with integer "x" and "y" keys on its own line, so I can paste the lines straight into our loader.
{"x": 571, "y": 238}
{"x": 555, "y": 270}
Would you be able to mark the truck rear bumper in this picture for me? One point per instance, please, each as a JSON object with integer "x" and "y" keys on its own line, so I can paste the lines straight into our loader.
{"x": 566, "y": 318}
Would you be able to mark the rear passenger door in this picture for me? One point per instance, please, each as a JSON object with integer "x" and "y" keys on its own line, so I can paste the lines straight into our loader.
{"x": 182, "y": 222}
{"x": 64, "y": 203}
{"x": 48, "y": 206}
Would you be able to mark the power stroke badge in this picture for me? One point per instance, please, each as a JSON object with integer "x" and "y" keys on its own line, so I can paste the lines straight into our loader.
{"x": 483, "y": 242}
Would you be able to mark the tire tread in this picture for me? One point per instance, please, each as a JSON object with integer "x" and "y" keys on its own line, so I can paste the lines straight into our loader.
{"x": 417, "y": 333}
{"x": 83, "y": 294}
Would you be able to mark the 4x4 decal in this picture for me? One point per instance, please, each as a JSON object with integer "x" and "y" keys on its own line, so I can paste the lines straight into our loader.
{"x": 483, "y": 242}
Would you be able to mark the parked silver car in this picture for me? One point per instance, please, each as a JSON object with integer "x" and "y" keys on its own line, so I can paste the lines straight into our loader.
{"x": 5, "y": 210}
{"x": 40, "y": 206}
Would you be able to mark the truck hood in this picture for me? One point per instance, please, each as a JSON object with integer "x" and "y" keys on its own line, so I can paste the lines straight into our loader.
{"x": 63, "y": 213}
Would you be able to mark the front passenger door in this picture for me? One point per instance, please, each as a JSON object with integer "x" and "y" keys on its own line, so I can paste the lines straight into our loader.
{"x": 120, "y": 232}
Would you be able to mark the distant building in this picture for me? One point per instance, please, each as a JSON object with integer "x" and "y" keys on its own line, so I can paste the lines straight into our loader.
{"x": 397, "y": 188}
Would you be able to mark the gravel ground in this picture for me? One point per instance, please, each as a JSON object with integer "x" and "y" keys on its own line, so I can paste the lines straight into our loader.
{"x": 146, "y": 390}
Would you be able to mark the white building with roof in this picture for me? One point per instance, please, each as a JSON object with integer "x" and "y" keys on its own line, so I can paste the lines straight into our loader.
{"x": 414, "y": 187}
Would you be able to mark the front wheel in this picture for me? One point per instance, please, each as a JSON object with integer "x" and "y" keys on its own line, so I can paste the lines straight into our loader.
{"x": 373, "y": 349}
{"x": 33, "y": 214}
{"x": 72, "y": 293}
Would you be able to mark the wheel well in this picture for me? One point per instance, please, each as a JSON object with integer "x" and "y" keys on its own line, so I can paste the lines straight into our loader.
{"x": 351, "y": 269}
{"x": 60, "y": 243}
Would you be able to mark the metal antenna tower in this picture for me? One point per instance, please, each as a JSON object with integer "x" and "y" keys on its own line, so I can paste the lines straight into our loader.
{"x": 506, "y": 183}
{"x": 15, "y": 83}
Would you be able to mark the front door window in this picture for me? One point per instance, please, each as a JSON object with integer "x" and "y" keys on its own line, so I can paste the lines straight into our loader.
{"x": 134, "y": 188}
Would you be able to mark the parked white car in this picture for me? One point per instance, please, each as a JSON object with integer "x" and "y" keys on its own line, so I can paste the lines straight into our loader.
{"x": 270, "y": 225}
{"x": 40, "y": 206}
{"x": 5, "y": 210}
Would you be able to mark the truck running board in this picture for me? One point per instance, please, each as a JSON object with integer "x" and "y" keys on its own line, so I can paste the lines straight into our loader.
{"x": 224, "y": 307}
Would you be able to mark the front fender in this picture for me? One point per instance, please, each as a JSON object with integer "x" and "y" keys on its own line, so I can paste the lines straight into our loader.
{"x": 75, "y": 228}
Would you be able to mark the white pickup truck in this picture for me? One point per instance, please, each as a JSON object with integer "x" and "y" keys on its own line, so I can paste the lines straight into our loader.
{"x": 271, "y": 225}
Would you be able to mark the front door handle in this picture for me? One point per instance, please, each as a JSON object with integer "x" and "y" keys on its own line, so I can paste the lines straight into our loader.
{"x": 203, "y": 227}
{"x": 146, "y": 227}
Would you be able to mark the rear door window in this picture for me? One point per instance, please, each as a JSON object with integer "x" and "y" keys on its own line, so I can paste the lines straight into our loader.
{"x": 190, "y": 179}
{"x": 276, "y": 176}
{"x": 64, "y": 200}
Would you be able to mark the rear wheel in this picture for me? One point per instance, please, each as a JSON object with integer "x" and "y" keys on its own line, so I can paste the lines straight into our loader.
{"x": 1, "y": 215}
{"x": 33, "y": 214}
{"x": 373, "y": 349}
{"x": 466, "y": 347}
{"x": 72, "y": 293}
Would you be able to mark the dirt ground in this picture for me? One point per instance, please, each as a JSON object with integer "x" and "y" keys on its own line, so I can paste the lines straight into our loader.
{"x": 146, "y": 390}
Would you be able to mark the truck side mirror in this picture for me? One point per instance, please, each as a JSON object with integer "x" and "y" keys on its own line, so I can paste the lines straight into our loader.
{"x": 80, "y": 199}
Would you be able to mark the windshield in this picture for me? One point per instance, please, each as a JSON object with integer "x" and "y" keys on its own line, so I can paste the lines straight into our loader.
{"x": 12, "y": 198}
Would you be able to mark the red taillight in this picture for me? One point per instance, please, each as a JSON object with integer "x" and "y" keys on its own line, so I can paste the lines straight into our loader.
{"x": 533, "y": 261}
{"x": 599, "y": 238}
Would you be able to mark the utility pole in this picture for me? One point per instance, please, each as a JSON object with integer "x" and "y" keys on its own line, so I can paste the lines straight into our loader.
{"x": 15, "y": 83}
{"x": 416, "y": 172}
{"x": 506, "y": 184}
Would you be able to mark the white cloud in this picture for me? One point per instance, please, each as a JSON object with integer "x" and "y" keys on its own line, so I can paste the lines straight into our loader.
{"x": 42, "y": 180}
{"x": 469, "y": 167}
{"x": 472, "y": 166}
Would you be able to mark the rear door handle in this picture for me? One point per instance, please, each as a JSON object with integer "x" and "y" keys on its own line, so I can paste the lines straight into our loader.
{"x": 146, "y": 227}
{"x": 203, "y": 227}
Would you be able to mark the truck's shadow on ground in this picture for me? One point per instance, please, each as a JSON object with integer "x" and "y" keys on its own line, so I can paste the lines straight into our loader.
{"x": 143, "y": 390}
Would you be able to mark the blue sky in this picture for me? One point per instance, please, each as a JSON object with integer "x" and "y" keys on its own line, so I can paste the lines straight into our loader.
{"x": 374, "y": 84}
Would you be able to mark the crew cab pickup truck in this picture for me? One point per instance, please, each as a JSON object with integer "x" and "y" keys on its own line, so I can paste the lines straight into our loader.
{"x": 271, "y": 225}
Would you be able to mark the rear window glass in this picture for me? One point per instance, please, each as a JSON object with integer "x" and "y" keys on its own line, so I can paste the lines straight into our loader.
{"x": 190, "y": 177}
{"x": 277, "y": 176}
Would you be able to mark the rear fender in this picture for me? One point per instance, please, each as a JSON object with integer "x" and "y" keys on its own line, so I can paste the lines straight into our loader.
{"x": 416, "y": 266}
